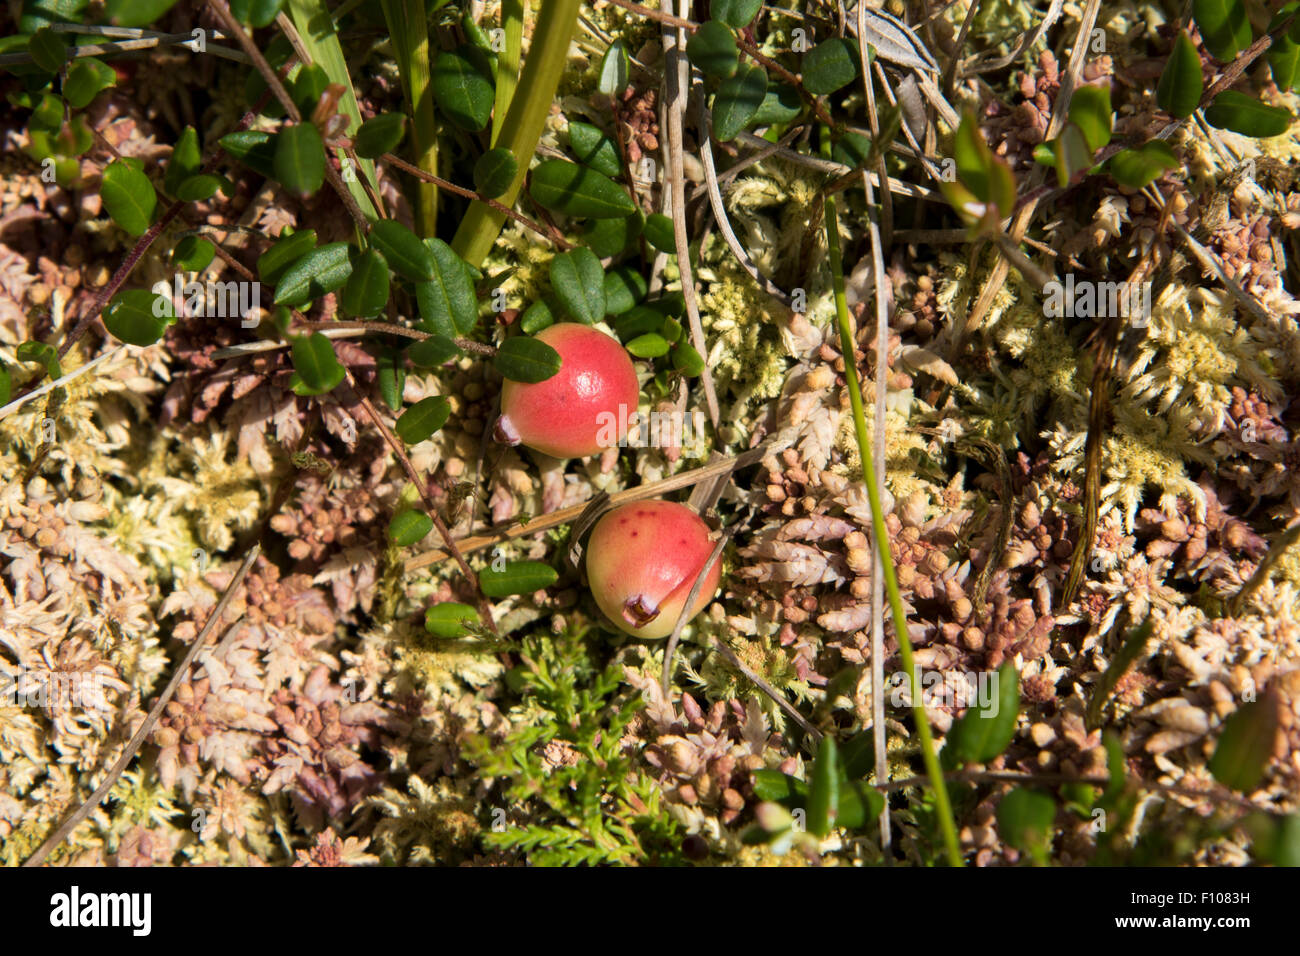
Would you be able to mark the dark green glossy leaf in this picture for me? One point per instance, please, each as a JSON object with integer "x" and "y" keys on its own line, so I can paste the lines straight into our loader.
{"x": 578, "y": 191}
{"x": 6, "y": 384}
{"x": 193, "y": 254}
{"x": 308, "y": 86}
{"x": 494, "y": 172}
{"x": 300, "y": 158}
{"x": 449, "y": 619}
{"x": 404, "y": 251}
{"x": 1225, "y": 28}
{"x": 1137, "y": 167}
{"x": 409, "y": 527}
{"x": 317, "y": 273}
{"x": 1246, "y": 744}
{"x": 614, "y": 70}
{"x": 579, "y": 283}
{"x": 736, "y": 13}
{"x": 609, "y": 237}
{"x": 1181, "y": 84}
{"x": 447, "y": 302}
{"x": 462, "y": 87}
{"x": 624, "y": 288}
{"x": 712, "y": 48}
{"x": 985, "y": 731}
{"x": 526, "y": 359}
{"x": 824, "y": 789}
{"x": 659, "y": 233}
{"x": 316, "y": 367}
{"x": 432, "y": 352}
{"x": 87, "y": 78}
{"x": 366, "y": 291}
{"x": 1246, "y": 115}
{"x": 737, "y": 100}
{"x": 594, "y": 148}
{"x": 287, "y": 250}
{"x": 517, "y": 577}
{"x": 138, "y": 316}
{"x": 379, "y": 135}
{"x": 422, "y": 419}
{"x": 128, "y": 197}
{"x": 829, "y": 66}
{"x": 254, "y": 148}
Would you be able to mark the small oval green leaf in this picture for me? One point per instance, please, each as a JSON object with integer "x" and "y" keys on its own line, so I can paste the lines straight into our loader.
{"x": 447, "y": 302}
{"x": 829, "y": 66}
{"x": 317, "y": 273}
{"x": 434, "y": 351}
{"x": 316, "y": 367}
{"x": 712, "y": 48}
{"x": 366, "y": 291}
{"x": 300, "y": 158}
{"x": 128, "y": 196}
{"x": 404, "y": 251}
{"x": 579, "y": 284}
{"x": 593, "y": 148}
{"x": 526, "y": 359}
{"x": 517, "y": 577}
{"x": 1246, "y": 744}
{"x": 578, "y": 191}
{"x": 494, "y": 172}
{"x": 449, "y": 619}
{"x": 1181, "y": 83}
{"x": 409, "y": 527}
{"x": 422, "y": 419}
{"x": 462, "y": 87}
{"x": 1246, "y": 115}
{"x": 138, "y": 316}
{"x": 735, "y": 13}
{"x": 380, "y": 134}
{"x": 738, "y": 100}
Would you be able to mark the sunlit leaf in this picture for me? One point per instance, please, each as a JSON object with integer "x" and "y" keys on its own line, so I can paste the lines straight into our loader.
{"x": 522, "y": 358}
{"x": 517, "y": 577}
{"x": 317, "y": 273}
{"x": 409, "y": 527}
{"x": 737, "y": 100}
{"x": 366, "y": 291}
{"x": 579, "y": 283}
{"x": 578, "y": 191}
{"x": 300, "y": 158}
{"x": 422, "y": 419}
{"x": 712, "y": 48}
{"x": 128, "y": 197}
